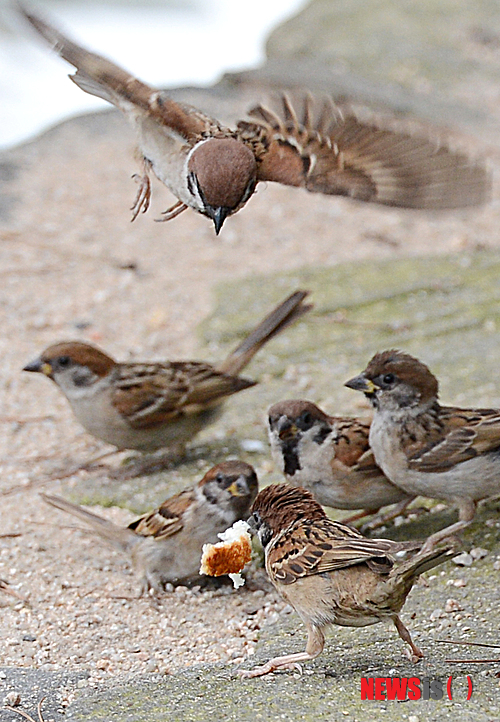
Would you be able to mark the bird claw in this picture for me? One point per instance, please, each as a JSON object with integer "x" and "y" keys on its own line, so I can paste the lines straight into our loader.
{"x": 172, "y": 212}
{"x": 267, "y": 669}
{"x": 143, "y": 197}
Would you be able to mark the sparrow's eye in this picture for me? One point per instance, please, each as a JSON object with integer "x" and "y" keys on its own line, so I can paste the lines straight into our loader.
{"x": 388, "y": 379}
{"x": 220, "y": 478}
{"x": 63, "y": 361}
{"x": 306, "y": 420}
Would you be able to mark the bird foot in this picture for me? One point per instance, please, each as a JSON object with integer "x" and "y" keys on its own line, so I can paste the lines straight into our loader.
{"x": 134, "y": 466}
{"x": 271, "y": 666}
{"x": 172, "y": 212}
{"x": 414, "y": 655}
{"x": 143, "y": 197}
{"x": 399, "y": 510}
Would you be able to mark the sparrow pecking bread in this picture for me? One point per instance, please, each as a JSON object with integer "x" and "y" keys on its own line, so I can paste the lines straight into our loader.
{"x": 150, "y": 406}
{"x": 165, "y": 545}
{"x": 214, "y": 169}
{"x": 442, "y": 452}
{"x": 328, "y": 572}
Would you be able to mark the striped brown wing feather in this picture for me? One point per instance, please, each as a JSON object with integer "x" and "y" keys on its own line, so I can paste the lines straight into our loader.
{"x": 323, "y": 546}
{"x": 332, "y": 151}
{"x": 101, "y": 77}
{"x": 464, "y": 434}
{"x": 148, "y": 395}
{"x": 167, "y": 520}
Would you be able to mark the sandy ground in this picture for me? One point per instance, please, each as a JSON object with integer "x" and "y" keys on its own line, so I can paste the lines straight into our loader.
{"x": 74, "y": 267}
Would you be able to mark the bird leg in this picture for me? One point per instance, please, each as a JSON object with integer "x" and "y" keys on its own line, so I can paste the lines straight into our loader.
{"x": 314, "y": 647}
{"x": 382, "y": 519}
{"x": 172, "y": 212}
{"x": 143, "y": 197}
{"x": 466, "y": 513}
{"x": 149, "y": 463}
{"x": 359, "y": 515}
{"x": 406, "y": 637}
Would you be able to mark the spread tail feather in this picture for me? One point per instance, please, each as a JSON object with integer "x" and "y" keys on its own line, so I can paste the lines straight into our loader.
{"x": 280, "y": 318}
{"x": 421, "y": 563}
{"x": 121, "y": 537}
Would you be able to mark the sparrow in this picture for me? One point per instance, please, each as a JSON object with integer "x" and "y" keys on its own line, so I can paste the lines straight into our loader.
{"x": 149, "y": 406}
{"x": 331, "y": 457}
{"x": 328, "y": 572}
{"x": 214, "y": 169}
{"x": 165, "y": 545}
{"x": 442, "y": 452}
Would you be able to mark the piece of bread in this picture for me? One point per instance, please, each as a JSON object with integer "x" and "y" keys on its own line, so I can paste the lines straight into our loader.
{"x": 230, "y": 555}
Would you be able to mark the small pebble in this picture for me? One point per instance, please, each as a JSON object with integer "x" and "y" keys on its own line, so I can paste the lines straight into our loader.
{"x": 253, "y": 446}
{"x": 452, "y": 606}
{"x": 12, "y": 699}
{"x": 478, "y": 553}
{"x": 463, "y": 560}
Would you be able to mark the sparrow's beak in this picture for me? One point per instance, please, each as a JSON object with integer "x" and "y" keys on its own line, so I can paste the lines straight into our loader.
{"x": 39, "y": 366}
{"x": 252, "y": 524}
{"x": 286, "y": 430}
{"x": 218, "y": 214}
{"x": 239, "y": 487}
{"x": 361, "y": 383}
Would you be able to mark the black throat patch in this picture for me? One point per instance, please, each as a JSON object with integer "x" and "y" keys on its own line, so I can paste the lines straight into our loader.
{"x": 291, "y": 457}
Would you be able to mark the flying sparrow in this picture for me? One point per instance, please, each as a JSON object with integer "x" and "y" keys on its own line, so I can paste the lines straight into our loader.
{"x": 437, "y": 451}
{"x": 149, "y": 406}
{"x": 165, "y": 545}
{"x": 214, "y": 169}
{"x": 331, "y": 456}
{"x": 328, "y": 572}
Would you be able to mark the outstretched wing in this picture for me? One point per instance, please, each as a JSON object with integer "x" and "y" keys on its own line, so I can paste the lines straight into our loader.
{"x": 330, "y": 150}
{"x": 101, "y": 77}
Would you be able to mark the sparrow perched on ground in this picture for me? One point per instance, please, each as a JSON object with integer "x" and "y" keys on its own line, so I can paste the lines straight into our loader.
{"x": 328, "y": 572}
{"x": 214, "y": 169}
{"x": 442, "y": 452}
{"x": 149, "y": 406}
{"x": 331, "y": 456}
{"x": 165, "y": 545}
